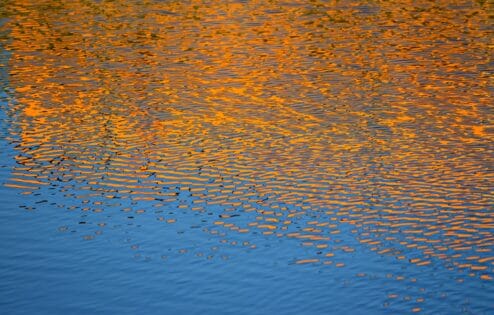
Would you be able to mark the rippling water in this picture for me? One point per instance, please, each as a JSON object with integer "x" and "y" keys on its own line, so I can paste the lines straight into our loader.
{"x": 249, "y": 157}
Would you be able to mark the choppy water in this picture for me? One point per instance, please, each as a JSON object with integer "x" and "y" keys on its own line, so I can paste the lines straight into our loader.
{"x": 246, "y": 157}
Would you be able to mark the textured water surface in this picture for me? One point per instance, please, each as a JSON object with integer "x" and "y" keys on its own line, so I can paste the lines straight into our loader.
{"x": 246, "y": 157}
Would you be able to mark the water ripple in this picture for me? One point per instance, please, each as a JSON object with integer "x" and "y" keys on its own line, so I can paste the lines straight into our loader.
{"x": 343, "y": 129}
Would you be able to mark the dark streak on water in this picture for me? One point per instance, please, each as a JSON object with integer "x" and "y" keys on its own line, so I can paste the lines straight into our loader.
{"x": 246, "y": 157}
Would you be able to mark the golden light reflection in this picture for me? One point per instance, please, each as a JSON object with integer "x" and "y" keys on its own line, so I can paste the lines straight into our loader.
{"x": 370, "y": 114}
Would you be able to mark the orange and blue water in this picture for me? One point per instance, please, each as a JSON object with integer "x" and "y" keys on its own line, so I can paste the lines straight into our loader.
{"x": 246, "y": 157}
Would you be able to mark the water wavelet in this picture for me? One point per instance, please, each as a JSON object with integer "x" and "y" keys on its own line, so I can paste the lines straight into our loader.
{"x": 340, "y": 131}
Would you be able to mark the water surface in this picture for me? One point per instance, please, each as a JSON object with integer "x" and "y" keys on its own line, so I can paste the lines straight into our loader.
{"x": 249, "y": 157}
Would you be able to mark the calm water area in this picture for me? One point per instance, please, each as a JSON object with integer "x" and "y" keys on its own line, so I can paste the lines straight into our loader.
{"x": 246, "y": 157}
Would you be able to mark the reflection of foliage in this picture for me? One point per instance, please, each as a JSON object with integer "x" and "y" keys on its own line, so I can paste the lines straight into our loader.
{"x": 355, "y": 113}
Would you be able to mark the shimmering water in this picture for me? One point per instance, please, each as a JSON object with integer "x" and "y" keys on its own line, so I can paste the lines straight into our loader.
{"x": 246, "y": 157}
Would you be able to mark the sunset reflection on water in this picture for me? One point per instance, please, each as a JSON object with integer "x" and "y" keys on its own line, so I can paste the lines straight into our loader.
{"x": 318, "y": 121}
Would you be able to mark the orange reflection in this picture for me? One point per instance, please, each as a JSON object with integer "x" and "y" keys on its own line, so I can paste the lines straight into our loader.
{"x": 368, "y": 114}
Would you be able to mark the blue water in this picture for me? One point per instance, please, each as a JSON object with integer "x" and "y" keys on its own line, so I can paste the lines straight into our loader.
{"x": 45, "y": 270}
{"x": 51, "y": 263}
